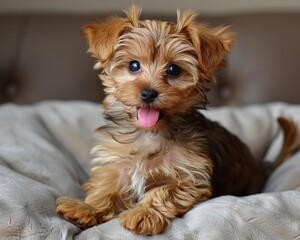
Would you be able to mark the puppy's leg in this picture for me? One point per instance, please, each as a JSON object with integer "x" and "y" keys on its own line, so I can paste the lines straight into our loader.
{"x": 162, "y": 204}
{"x": 107, "y": 195}
{"x": 77, "y": 212}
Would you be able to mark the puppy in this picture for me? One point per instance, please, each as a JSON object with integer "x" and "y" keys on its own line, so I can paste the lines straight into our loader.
{"x": 158, "y": 156}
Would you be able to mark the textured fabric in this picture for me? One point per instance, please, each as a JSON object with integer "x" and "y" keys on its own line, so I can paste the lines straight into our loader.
{"x": 44, "y": 153}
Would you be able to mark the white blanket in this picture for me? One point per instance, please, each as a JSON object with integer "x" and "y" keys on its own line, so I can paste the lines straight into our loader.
{"x": 44, "y": 153}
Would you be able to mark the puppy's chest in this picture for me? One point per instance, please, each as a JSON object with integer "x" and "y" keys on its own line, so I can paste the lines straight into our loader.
{"x": 147, "y": 145}
{"x": 151, "y": 157}
{"x": 158, "y": 160}
{"x": 149, "y": 153}
{"x": 150, "y": 160}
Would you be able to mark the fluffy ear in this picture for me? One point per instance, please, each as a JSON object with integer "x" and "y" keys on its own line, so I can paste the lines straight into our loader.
{"x": 211, "y": 44}
{"x": 102, "y": 37}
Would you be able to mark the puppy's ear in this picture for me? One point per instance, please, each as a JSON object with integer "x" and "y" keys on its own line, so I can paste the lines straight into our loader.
{"x": 102, "y": 37}
{"x": 211, "y": 44}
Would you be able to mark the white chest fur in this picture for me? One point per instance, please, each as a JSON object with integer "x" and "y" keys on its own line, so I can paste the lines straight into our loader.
{"x": 147, "y": 145}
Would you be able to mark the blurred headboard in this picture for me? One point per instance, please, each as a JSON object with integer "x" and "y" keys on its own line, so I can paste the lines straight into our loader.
{"x": 44, "y": 57}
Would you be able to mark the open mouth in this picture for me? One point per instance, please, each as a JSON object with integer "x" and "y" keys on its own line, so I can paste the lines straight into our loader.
{"x": 148, "y": 116}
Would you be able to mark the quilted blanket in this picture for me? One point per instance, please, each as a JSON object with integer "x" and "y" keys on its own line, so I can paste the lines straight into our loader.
{"x": 44, "y": 153}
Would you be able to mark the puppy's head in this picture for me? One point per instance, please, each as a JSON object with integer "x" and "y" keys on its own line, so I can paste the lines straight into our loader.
{"x": 155, "y": 70}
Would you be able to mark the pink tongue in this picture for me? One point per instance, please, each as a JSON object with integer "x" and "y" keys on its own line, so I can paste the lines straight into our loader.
{"x": 148, "y": 117}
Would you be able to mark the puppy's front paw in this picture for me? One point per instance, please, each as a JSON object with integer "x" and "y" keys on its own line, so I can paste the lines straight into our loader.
{"x": 143, "y": 220}
{"x": 76, "y": 212}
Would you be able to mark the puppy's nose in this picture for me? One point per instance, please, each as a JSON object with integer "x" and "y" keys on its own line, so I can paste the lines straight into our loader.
{"x": 148, "y": 95}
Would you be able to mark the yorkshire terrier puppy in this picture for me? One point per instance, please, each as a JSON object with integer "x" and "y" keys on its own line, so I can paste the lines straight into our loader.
{"x": 158, "y": 156}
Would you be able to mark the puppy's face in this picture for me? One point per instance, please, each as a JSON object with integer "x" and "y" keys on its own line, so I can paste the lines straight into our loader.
{"x": 155, "y": 69}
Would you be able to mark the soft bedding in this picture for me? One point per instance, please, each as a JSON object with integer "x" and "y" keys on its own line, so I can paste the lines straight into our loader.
{"x": 44, "y": 153}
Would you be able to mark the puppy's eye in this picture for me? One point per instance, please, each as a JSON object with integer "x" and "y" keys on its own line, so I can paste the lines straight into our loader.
{"x": 134, "y": 66}
{"x": 173, "y": 70}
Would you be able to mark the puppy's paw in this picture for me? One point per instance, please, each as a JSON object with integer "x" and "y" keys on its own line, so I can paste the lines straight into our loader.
{"x": 143, "y": 220}
{"x": 77, "y": 212}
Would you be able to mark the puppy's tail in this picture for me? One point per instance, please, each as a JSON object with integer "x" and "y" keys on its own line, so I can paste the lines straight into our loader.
{"x": 291, "y": 140}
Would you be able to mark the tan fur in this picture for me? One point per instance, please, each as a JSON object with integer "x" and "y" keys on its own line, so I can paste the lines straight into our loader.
{"x": 147, "y": 176}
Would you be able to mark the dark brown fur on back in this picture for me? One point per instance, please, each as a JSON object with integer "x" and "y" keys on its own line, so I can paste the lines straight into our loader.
{"x": 233, "y": 164}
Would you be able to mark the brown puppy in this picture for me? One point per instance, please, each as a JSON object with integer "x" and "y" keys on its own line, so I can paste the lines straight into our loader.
{"x": 157, "y": 155}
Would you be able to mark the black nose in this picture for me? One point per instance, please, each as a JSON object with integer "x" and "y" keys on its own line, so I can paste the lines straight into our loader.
{"x": 148, "y": 95}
